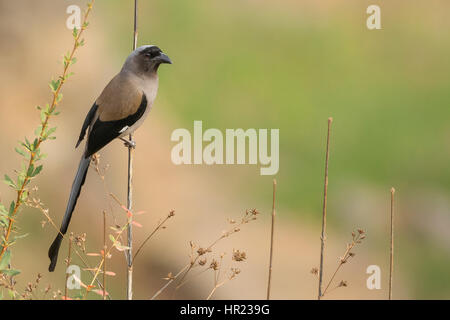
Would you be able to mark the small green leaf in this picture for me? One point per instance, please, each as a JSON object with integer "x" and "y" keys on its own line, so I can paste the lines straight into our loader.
{"x": 54, "y": 84}
{"x": 111, "y": 237}
{"x": 75, "y": 32}
{"x": 21, "y": 236}
{"x": 43, "y": 116}
{"x": 37, "y": 171}
{"x": 20, "y": 179}
{"x": 9, "y": 182}
{"x": 30, "y": 170}
{"x": 24, "y": 196}
{"x": 59, "y": 97}
{"x": 38, "y": 130}
{"x": 21, "y": 151}
{"x": 11, "y": 208}
{"x": 4, "y": 263}
{"x": 11, "y": 272}
{"x": 35, "y": 143}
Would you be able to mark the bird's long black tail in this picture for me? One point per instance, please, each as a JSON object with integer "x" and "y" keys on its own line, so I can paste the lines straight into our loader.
{"x": 74, "y": 194}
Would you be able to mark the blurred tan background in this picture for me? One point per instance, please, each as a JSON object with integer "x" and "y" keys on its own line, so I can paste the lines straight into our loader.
{"x": 250, "y": 64}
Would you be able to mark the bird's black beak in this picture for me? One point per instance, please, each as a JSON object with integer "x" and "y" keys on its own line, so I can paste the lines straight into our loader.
{"x": 163, "y": 58}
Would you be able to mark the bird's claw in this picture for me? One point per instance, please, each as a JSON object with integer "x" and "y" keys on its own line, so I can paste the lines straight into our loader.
{"x": 129, "y": 143}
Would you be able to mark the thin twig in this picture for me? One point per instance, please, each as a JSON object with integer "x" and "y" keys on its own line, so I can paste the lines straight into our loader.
{"x": 271, "y": 239}
{"x": 172, "y": 279}
{"x": 159, "y": 226}
{"x": 356, "y": 239}
{"x": 324, "y": 212}
{"x": 391, "y": 269}
{"x": 130, "y": 187}
{"x": 104, "y": 255}
{"x": 66, "y": 291}
{"x": 218, "y": 284}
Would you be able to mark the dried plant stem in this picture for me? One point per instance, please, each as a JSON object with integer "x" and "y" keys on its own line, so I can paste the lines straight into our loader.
{"x": 193, "y": 277}
{"x": 66, "y": 291}
{"x": 217, "y": 286}
{"x": 130, "y": 187}
{"x": 104, "y": 255}
{"x": 343, "y": 260}
{"x": 324, "y": 211}
{"x": 357, "y": 238}
{"x": 169, "y": 282}
{"x": 159, "y": 226}
{"x": 55, "y": 99}
{"x": 391, "y": 269}
{"x": 271, "y": 239}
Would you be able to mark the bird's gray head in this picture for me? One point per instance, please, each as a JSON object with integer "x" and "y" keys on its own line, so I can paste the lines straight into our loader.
{"x": 145, "y": 59}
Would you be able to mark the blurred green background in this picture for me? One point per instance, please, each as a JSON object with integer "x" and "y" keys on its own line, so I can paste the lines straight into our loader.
{"x": 290, "y": 65}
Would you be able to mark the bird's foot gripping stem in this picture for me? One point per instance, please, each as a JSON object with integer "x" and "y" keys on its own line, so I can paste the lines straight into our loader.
{"x": 129, "y": 143}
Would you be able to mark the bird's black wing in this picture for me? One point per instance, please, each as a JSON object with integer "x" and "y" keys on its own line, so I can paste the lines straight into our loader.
{"x": 103, "y": 132}
{"x": 86, "y": 123}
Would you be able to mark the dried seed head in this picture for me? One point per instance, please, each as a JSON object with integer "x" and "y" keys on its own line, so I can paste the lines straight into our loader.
{"x": 202, "y": 251}
{"x": 315, "y": 271}
{"x": 171, "y": 213}
{"x": 169, "y": 276}
{"x": 202, "y": 262}
{"x": 235, "y": 270}
{"x": 239, "y": 256}
{"x": 214, "y": 265}
{"x": 343, "y": 283}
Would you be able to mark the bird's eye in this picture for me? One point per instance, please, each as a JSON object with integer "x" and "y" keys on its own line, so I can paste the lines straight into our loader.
{"x": 151, "y": 54}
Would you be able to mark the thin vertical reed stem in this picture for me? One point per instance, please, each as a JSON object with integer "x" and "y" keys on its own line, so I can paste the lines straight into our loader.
{"x": 391, "y": 269}
{"x": 104, "y": 255}
{"x": 324, "y": 212}
{"x": 130, "y": 187}
{"x": 69, "y": 257}
{"x": 271, "y": 239}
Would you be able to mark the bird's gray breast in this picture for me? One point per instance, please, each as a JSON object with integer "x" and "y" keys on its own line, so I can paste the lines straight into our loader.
{"x": 149, "y": 87}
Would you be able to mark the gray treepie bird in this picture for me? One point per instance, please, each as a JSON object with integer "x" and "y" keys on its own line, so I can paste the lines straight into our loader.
{"x": 119, "y": 110}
